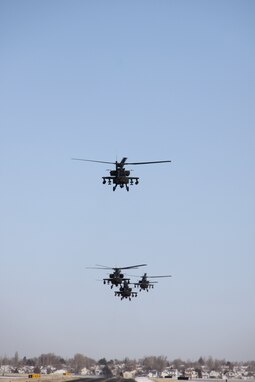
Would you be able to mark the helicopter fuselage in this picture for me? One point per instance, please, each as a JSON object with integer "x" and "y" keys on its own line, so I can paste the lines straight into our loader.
{"x": 145, "y": 284}
{"x": 115, "y": 278}
{"x": 125, "y": 292}
{"x": 120, "y": 177}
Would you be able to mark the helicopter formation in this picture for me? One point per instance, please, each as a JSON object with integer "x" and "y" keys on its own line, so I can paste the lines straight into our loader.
{"x": 120, "y": 176}
{"x": 118, "y": 279}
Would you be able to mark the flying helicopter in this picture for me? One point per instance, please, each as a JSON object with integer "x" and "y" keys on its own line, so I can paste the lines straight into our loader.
{"x": 120, "y": 176}
{"x": 125, "y": 291}
{"x": 144, "y": 283}
{"x": 117, "y": 277}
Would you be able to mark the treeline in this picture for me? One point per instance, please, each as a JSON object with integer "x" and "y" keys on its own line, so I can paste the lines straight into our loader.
{"x": 160, "y": 363}
{"x": 76, "y": 364}
{"x": 79, "y": 362}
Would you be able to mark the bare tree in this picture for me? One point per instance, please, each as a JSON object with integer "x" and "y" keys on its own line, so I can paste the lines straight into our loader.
{"x": 16, "y": 359}
{"x": 154, "y": 363}
{"x": 129, "y": 364}
{"x": 80, "y": 361}
{"x": 50, "y": 359}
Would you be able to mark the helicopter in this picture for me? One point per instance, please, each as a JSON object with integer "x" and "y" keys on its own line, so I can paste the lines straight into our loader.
{"x": 117, "y": 277}
{"x": 120, "y": 176}
{"x": 145, "y": 283}
{"x": 125, "y": 291}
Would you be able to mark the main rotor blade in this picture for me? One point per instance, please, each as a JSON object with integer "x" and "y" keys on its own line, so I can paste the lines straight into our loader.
{"x": 90, "y": 160}
{"x": 99, "y": 267}
{"x": 158, "y": 161}
{"x": 157, "y": 277}
{"x": 149, "y": 277}
{"x": 134, "y": 266}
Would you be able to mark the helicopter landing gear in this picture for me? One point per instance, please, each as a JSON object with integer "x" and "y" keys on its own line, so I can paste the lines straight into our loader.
{"x": 114, "y": 187}
{"x": 104, "y": 181}
{"x": 127, "y": 188}
{"x": 109, "y": 181}
{"x": 111, "y": 286}
{"x": 136, "y": 182}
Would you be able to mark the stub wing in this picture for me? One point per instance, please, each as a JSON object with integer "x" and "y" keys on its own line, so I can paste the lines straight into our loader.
{"x": 114, "y": 177}
{"x": 113, "y": 280}
{"x": 145, "y": 285}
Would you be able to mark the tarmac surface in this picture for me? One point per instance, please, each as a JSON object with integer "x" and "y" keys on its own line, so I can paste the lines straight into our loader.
{"x": 61, "y": 378}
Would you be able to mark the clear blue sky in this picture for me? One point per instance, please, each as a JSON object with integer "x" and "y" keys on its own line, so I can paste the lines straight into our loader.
{"x": 150, "y": 80}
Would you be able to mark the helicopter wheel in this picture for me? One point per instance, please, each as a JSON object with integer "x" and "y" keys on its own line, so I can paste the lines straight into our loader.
{"x": 127, "y": 188}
